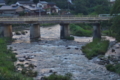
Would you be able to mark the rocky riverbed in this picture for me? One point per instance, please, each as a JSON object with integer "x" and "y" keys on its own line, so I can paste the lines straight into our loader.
{"x": 52, "y": 55}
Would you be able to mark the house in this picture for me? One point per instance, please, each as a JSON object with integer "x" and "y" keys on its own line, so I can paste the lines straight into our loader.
{"x": 2, "y": 2}
{"x": 42, "y": 4}
{"x": 12, "y": 9}
{"x": 30, "y": 9}
{"x": 112, "y": 2}
{"x": 52, "y": 8}
{"x": 24, "y": 2}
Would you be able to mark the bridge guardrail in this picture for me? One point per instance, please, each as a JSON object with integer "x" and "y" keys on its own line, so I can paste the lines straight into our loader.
{"x": 48, "y": 18}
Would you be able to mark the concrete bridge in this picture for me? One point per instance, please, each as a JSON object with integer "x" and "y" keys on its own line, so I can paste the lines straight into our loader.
{"x": 64, "y": 21}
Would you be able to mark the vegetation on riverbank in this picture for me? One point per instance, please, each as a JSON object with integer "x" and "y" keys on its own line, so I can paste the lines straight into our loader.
{"x": 81, "y": 30}
{"x": 47, "y": 24}
{"x": 7, "y": 68}
{"x": 114, "y": 68}
{"x": 95, "y": 48}
{"x": 58, "y": 77}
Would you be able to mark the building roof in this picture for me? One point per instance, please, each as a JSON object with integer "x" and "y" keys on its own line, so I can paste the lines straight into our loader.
{"x": 25, "y": 2}
{"x": 112, "y": 0}
{"x": 43, "y": 2}
{"x": 7, "y": 8}
{"x": 2, "y": 1}
{"x": 30, "y": 7}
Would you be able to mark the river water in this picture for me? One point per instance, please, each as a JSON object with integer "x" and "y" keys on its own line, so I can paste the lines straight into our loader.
{"x": 60, "y": 56}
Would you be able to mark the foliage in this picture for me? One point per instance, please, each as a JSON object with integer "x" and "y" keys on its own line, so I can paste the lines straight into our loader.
{"x": 116, "y": 20}
{"x": 79, "y": 6}
{"x": 69, "y": 38}
{"x": 116, "y": 8}
{"x": 84, "y": 6}
{"x": 77, "y": 30}
{"x": 47, "y": 24}
{"x": 7, "y": 68}
{"x": 114, "y": 68}
{"x": 58, "y": 77}
{"x": 95, "y": 48}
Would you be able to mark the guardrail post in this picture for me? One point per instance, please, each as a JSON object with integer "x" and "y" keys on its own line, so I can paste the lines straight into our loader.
{"x": 34, "y": 32}
{"x": 64, "y": 31}
{"x": 96, "y": 31}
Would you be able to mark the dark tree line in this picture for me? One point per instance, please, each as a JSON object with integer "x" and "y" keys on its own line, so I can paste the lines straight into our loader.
{"x": 79, "y": 6}
{"x": 116, "y": 20}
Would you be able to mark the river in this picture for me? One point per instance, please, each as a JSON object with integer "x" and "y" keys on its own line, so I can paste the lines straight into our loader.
{"x": 60, "y": 56}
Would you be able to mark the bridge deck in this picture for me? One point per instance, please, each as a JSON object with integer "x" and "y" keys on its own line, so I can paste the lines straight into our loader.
{"x": 53, "y": 19}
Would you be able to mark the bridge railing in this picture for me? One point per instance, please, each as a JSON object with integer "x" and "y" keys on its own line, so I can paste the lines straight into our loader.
{"x": 48, "y": 18}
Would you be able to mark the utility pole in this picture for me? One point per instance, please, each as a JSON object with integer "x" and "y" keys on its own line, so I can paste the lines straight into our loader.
{"x": 39, "y": 9}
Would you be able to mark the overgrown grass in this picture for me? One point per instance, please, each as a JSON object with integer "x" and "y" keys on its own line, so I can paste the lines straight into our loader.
{"x": 80, "y": 30}
{"x": 58, "y": 77}
{"x": 69, "y": 38}
{"x": 95, "y": 48}
{"x": 47, "y": 24}
{"x": 7, "y": 68}
{"x": 114, "y": 68}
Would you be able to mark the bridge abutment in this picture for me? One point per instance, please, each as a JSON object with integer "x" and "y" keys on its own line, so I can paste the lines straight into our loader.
{"x": 64, "y": 31}
{"x": 7, "y": 30}
{"x": 34, "y": 32}
{"x": 96, "y": 31}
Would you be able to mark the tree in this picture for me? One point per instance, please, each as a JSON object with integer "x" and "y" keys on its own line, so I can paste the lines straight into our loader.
{"x": 116, "y": 20}
{"x": 116, "y": 8}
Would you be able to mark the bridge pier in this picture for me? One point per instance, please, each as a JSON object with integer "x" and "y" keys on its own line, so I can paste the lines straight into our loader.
{"x": 1, "y": 31}
{"x": 64, "y": 31}
{"x": 34, "y": 32}
{"x": 7, "y": 30}
{"x": 96, "y": 31}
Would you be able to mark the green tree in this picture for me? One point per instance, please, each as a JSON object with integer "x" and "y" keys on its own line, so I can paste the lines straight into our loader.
{"x": 116, "y": 20}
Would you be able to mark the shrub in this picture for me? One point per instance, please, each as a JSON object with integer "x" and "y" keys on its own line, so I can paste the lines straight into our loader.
{"x": 23, "y": 32}
{"x": 113, "y": 68}
{"x": 110, "y": 67}
{"x": 7, "y": 68}
{"x": 95, "y": 48}
{"x": 58, "y": 77}
{"x": 69, "y": 38}
{"x": 80, "y": 31}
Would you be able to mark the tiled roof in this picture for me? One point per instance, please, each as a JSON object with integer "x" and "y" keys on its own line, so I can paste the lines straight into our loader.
{"x": 2, "y": 1}
{"x": 29, "y": 7}
{"x": 7, "y": 8}
{"x": 25, "y": 2}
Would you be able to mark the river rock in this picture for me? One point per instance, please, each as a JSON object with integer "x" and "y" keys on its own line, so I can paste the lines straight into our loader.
{"x": 21, "y": 59}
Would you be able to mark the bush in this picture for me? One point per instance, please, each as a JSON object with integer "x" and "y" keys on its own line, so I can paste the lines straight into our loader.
{"x": 70, "y": 38}
{"x": 58, "y": 77}
{"x": 110, "y": 67}
{"x": 80, "y": 31}
{"x": 113, "y": 68}
{"x": 95, "y": 48}
{"x": 7, "y": 68}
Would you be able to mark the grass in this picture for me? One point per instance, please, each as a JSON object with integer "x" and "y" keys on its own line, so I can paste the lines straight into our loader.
{"x": 95, "y": 48}
{"x": 113, "y": 68}
{"x": 58, "y": 77}
{"x": 81, "y": 30}
{"x": 47, "y": 24}
{"x": 7, "y": 68}
{"x": 69, "y": 38}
